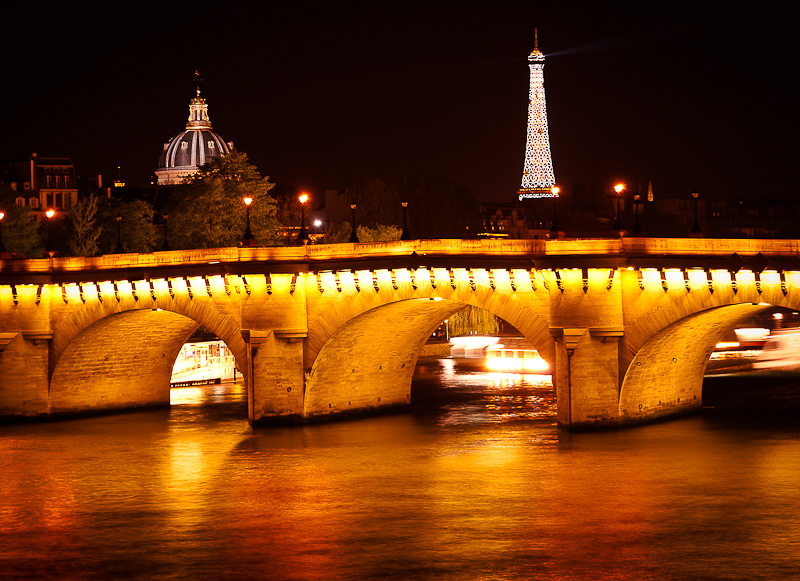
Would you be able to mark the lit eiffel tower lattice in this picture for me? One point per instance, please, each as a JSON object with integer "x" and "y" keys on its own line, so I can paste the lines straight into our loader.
{"x": 537, "y": 176}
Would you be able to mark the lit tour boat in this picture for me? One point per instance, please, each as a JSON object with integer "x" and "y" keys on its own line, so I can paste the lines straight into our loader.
{"x": 500, "y": 354}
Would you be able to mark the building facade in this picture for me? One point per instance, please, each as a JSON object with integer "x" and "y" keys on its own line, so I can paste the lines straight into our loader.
{"x": 42, "y": 183}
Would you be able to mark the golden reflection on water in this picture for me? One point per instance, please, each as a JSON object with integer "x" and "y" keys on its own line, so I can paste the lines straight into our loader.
{"x": 477, "y": 483}
{"x": 499, "y": 397}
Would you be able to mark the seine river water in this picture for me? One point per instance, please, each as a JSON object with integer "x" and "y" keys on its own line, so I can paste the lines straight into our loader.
{"x": 475, "y": 483}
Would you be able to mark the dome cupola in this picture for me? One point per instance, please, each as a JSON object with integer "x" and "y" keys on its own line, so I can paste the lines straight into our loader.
{"x": 196, "y": 145}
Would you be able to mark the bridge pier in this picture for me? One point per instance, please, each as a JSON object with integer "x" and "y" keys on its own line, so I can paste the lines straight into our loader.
{"x": 586, "y": 376}
{"x": 275, "y": 382}
{"x": 23, "y": 374}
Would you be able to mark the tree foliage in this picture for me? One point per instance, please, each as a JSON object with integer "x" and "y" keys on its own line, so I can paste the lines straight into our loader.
{"x": 380, "y": 233}
{"x": 20, "y": 231}
{"x": 437, "y": 207}
{"x": 208, "y": 210}
{"x": 136, "y": 230}
{"x": 377, "y": 202}
{"x": 84, "y": 232}
{"x": 473, "y": 321}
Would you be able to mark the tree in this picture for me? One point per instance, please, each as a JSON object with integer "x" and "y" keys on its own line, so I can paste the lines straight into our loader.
{"x": 439, "y": 207}
{"x": 20, "y": 230}
{"x": 380, "y": 233}
{"x": 473, "y": 321}
{"x": 84, "y": 232}
{"x": 208, "y": 210}
{"x": 377, "y": 202}
{"x": 136, "y": 230}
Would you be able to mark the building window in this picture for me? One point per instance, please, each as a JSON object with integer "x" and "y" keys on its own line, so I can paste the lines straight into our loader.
{"x": 59, "y": 198}
{"x": 20, "y": 202}
{"x": 211, "y": 145}
{"x": 34, "y": 203}
{"x": 184, "y": 145}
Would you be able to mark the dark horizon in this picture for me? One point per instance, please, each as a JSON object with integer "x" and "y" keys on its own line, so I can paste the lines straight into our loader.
{"x": 687, "y": 101}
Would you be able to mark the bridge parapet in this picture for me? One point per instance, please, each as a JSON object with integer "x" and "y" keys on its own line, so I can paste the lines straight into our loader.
{"x": 717, "y": 253}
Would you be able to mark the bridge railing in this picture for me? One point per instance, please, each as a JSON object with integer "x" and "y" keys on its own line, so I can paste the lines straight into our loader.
{"x": 618, "y": 252}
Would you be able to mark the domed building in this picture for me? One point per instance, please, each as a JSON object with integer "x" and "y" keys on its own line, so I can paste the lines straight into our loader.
{"x": 188, "y": 150}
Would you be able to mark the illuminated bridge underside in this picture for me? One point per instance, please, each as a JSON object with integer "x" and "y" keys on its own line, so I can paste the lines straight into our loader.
{"x": 626, "y": 325}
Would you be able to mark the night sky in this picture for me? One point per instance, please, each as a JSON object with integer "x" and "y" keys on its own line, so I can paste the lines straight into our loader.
{"x": 319, "y": 98}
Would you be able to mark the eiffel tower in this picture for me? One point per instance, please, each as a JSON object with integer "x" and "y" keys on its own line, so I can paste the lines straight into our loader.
{"x": 537, "y": 175}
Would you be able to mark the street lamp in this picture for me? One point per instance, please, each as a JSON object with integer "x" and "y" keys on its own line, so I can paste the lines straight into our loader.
{"x": 247, "y": 239}
{"x": 404, "y": 235}
{"x": 619, "y": 188}
{"x": 303, "y": 235}
{"x": 696, "y": 227}
{"x": 165, "y": 246}
{"x": 353, "y": 235}
{"x": 2, "y": 215}
{"x": 119, "y": 249}
{"x": 636, "y": 198}
{"x": 50, "y": 213}
{"x": 554, "y": 226}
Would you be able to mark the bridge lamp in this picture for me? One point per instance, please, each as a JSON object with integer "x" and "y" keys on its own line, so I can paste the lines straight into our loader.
{"x": 696, "y": 226}
{"x": 619, "y": 188}
{"x": 636, "y": 200}
{"x": 49, "y": 213}
{"x": 303, "y": 235}
{"x": 247, "y": 239}
{"x": 2, "y": 215}
{"x": 165, "y": 246}
{"x": 554, "y": 226}
{"x": 118, "y": 249}
{"x": 353, "y": 234}
{"x": 404, "y": 235}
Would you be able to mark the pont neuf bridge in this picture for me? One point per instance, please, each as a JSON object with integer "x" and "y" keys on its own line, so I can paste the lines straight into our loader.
{"x": 627, "y": 325}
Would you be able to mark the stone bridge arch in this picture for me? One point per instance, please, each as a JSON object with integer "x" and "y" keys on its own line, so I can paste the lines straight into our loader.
{"x": 362, "y": 345}
{"x": 120, "y": 354}
{"x": 673, "y": 327}
{"x": 666, "y": 374}
{"x": 71, "y": 323}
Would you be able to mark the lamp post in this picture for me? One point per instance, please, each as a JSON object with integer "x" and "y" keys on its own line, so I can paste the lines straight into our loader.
{"x": 50, "y": 213}
{"x": 247, "y": 239}
{"x": 636, "y": 198}
{"x": 119, "y": 249}
{"x": 353, "y": 235}
{"x": 404, "y": 235}
{"x": 619, "y": 188}
{"x": 696, "y": 227}
{"x": 554, "y": 226}
{"x": 303, "y": 235}
{"x": 165, "y": 246}
{"x": 2, "y": 215}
